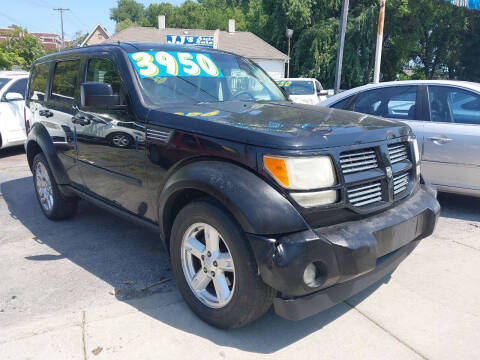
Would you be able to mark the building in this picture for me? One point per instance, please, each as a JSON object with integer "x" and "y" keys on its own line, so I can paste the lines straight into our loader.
{"x": 50, "y": 42}
{"x": 242, "y": 43}
{"x": 96, "y": 36}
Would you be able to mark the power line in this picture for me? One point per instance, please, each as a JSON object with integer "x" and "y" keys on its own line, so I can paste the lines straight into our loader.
{"x": 15, "y": 22}
{"x": 78, "y": 20}
{"x": 61, "y": 10}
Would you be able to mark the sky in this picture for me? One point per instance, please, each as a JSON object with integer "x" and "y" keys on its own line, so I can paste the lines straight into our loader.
{"x": 38, "y": 15}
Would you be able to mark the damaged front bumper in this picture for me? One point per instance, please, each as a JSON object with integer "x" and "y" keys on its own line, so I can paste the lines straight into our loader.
{"x": 349, "y": 257}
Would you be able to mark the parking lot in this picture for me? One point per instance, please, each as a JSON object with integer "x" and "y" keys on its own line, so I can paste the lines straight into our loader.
{"x": 96, "y": 286}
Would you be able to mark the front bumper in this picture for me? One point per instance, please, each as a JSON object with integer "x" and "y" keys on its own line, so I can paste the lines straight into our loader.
{"x": 350, "y": 256}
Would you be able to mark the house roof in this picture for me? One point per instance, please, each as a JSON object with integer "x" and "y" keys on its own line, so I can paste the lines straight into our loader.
{"x": 240, "y": 42}
{"x": 44, "y": 34}
{"x": 90, "y": 34}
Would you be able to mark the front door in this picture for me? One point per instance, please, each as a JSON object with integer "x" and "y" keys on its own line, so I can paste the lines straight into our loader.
{"x": 11, "y": 112}
{"x": 452, "y": 138}
{"x": 400, "y": 103}
{"x": 111, "y": 143}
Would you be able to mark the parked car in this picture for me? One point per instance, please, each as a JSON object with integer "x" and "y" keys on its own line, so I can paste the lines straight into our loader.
{"x": 13, "y": 85}
{"x": 258, "y": 200}
{"x": 304, "y": 90}
{"x": 444, "y": 115}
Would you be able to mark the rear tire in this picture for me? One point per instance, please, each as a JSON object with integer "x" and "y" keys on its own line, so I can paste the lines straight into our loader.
{"x": 53, "y": 203}
{"x": 244, "y": 297}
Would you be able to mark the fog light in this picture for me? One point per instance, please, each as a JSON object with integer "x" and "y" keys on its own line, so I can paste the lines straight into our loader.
{"x": 310, "y": 274}
{"x": 312, "y": 199}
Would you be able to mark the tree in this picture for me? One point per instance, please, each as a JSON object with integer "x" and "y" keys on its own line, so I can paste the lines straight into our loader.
{"x": 78, "y": 39}
{"x": 433, "y": 37}
{"x": 127, "y": 9}
{"x": 20, "y": 49}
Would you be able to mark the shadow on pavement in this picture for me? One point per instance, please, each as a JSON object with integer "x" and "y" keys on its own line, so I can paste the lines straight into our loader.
{"x": 459, "y": 207}
{"x": 11, "y": 151}
{"x": 119, "y": 252}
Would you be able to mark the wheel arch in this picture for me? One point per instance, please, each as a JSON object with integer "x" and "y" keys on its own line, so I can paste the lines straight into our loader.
{"x": 38, "y": 141}
{"x": 256, "y": 206}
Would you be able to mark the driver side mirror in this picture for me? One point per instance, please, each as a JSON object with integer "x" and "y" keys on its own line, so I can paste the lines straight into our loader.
{"x": 323, "y": 92}
{"x": 13, "y": 96}
{"x": 100, "y": 96}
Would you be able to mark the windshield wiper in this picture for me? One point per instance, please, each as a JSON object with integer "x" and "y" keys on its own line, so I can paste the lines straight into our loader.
{"x": 198, "y": 87}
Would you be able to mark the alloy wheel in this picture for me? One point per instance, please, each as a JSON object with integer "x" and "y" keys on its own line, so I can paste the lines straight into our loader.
{"x": 120, "y": 140}
{"x": 43, "y": 185}
{"x": 208, "y": 265}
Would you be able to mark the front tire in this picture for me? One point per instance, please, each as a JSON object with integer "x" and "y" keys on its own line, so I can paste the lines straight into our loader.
{"x": 214, "y": 267}
{"x": 53, "y": 203}
{"x": 120, "y": 140}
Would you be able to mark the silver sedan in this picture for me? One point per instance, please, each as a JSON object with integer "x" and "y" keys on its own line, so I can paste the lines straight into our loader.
{"x": 445, "y": 116}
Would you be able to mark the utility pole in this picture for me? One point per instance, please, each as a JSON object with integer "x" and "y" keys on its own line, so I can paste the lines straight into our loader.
{"x": 378, "y": 50}
{"x": 61, "y": 22}
{"x": 288, "y": 34}
{"x": 341, "y": 45}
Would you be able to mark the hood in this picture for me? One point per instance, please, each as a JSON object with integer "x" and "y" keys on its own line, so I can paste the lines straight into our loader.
{"x": 281, "y": 125}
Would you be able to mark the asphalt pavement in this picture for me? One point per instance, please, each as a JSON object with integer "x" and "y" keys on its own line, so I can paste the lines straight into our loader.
{"x": 98, "y": 287}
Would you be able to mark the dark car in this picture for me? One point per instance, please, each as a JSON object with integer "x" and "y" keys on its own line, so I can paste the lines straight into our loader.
{"x": 258, "y": 200}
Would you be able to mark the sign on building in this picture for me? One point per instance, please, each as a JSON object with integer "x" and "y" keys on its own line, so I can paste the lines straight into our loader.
{"x": 204, "y": 41}
{"x": 470, "y": 4}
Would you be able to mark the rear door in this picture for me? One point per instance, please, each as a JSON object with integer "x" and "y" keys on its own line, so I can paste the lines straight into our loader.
{"x": 452, "y": 138}
{"x": 61, "y": 106}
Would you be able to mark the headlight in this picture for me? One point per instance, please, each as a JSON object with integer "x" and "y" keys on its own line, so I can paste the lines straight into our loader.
{"x": 416, "y": 154}
{"x": 301, "y": 173}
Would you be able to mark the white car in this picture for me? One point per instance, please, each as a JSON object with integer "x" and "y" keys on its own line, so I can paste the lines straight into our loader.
{"x": 13, "y": 85}
{"x": 444, "y": 115}
{"x": 304, "y": 90}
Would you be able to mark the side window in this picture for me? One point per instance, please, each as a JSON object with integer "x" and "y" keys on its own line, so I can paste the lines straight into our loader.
{"x": 39, "y": 80}
{"x": 402, "y": 105}
{"x": 19, "y": 86}
{"x": 104, "y": 71}
{"x": 319, "y": 87}
{"x": 65, "y": 81}
{"x": 448, "y": 104}
{"x": 395, "y": 102}
{"x": 342, "y": 104}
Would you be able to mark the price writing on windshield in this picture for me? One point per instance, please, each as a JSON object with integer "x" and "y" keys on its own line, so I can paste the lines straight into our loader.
{"x": 150, "y": 64}
{"x": 284, "y": 83}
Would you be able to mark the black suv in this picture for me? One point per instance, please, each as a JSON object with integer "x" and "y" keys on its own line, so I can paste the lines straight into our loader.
{"x": 258, "y": 200}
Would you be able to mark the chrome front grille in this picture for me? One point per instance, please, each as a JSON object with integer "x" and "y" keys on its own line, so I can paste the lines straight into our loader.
{"x": 397, "y": 152}
{"x": 358, "y": 160}
{"x": 400, "y": 183}
{"x": 365, "y": 194}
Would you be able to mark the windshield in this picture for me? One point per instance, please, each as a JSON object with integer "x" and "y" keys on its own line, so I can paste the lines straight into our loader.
{"x": 3, "y": 81}
{"x": 298, "y": 87}
{"x": 191, "y": 77}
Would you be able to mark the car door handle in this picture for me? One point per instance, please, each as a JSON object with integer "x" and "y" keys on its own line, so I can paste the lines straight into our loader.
{"x": 46, "y": 113}
{"x": 440, "y": 139}
{"x": 80, "y": 120}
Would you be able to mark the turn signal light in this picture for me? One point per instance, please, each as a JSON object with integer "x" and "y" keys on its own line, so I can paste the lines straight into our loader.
{"x": 278, "y": 169}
